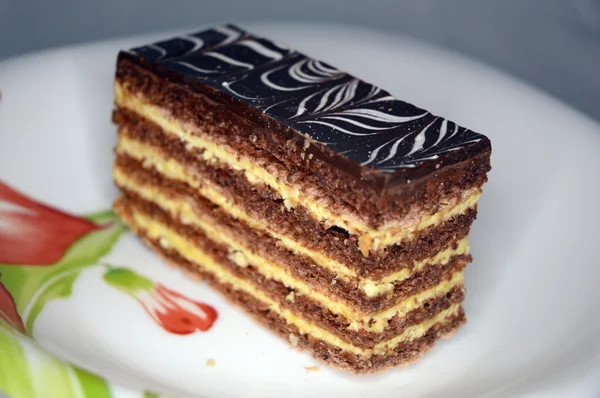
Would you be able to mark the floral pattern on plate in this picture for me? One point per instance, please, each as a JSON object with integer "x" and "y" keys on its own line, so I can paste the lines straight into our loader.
{"x": 43, "y": 251}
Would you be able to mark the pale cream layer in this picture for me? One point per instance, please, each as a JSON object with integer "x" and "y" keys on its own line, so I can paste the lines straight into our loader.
{"x": 244, "y": 256}
{"x": 153, "y": 158}
{"x": 370, "y": 238}
{"x": 171, "y": 240}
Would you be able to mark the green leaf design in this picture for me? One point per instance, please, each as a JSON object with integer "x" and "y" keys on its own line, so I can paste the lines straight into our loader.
{"x": 15, "y": 380}
{"x": 127, "y": 280}
{"x": 91, "y": 385}
{"x": 50, "y": 374}
{"x": 26, "y": 370}
{"x": 62, "y": 287}
{"x": 24, "y": 282}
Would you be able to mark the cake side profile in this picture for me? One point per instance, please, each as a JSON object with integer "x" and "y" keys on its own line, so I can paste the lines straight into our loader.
{"x": 332, "y": 212}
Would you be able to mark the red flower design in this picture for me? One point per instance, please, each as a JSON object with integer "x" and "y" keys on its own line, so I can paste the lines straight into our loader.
{"x": 8, "y": 310}
{"x": 32, "y": 233}
{"x": 176, "y": 313}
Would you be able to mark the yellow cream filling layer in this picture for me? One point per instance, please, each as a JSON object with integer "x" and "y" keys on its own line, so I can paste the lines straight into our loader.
{"x": 370, "y": 238}
{"x": 243, "y": 256}
{"x": 171, "y": 169}
{"x": 171, "y": 240}
{"x": 374, "y": 288}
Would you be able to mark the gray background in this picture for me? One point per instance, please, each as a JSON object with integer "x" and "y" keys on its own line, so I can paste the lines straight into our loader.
{"x": 552, "y": 44}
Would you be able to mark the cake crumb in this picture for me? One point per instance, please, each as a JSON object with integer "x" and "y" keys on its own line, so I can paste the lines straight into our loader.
{"x": 211, "y": 363}
{"x": 294, "y": 340}
{"x": 312, "y": 369}
{"x": 328, "y": 223}
{"x": 206, "y": 155}
{"x": 364, "y": 244}
{"x": 287, "y": 202}
{"x": 376, "y": 244}
{"x": 310, "y": 155}
{"x": 291, "y": 297}
{"x": 252, "y": 179}
{"x": 239, "y": 258}
{"x": 163, "y": 243}
{"x": 333, "y": 282}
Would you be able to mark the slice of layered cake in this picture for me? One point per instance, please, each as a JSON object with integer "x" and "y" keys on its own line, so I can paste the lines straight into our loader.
{"x": 332, "y": 212}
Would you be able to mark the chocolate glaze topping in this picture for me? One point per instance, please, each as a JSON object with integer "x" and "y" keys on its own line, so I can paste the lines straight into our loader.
{"x": 363, "y": 123}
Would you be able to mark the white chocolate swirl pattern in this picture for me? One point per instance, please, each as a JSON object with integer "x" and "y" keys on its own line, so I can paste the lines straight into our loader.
{"x": 354, "y": 118}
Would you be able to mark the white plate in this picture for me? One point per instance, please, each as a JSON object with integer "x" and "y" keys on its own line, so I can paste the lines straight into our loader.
{"x": 533, "y": 299}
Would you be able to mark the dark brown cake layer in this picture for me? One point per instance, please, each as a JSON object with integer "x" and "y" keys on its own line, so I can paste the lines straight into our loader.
{"x": 301, "y": 305}
{"x": 262, "y": 203}
{"x": 403, "y": 354}
{"x": 298, "y": 266}
{"x": 373, "y": 196}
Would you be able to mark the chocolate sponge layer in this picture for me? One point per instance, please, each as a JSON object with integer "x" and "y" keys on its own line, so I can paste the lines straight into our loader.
{"x": 301, "y": 267}
{"x": 302, "y": 305}
{"x": 262, "y": 203}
